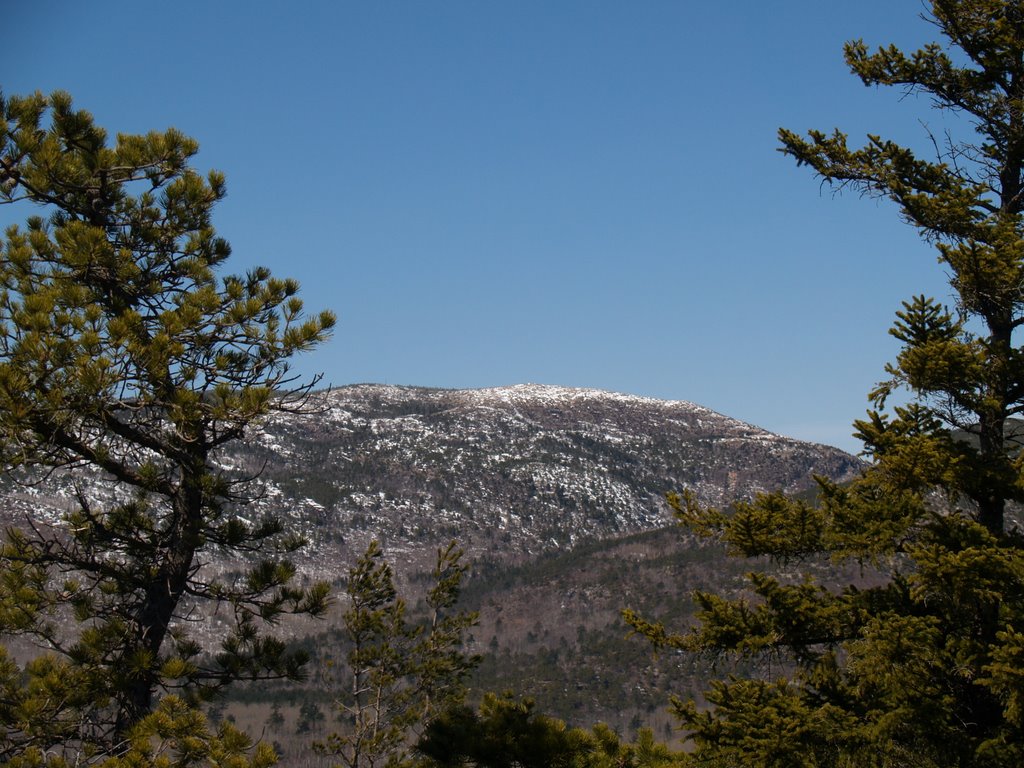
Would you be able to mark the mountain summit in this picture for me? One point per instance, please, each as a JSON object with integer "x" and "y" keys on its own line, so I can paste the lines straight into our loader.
{"x": 510, "y": 472}
{"x": 513, "y": 471}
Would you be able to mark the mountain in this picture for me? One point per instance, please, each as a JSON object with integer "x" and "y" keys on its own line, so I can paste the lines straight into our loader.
{"x": 511, "y": 472}
{"x": 556, "y": 493}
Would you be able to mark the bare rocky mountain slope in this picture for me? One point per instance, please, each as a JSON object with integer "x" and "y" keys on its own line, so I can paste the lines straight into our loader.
{"x": 511, "y": 472}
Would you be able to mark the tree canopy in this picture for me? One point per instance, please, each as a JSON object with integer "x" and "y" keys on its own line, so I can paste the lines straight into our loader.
{"x": 128, "y": 362}
{"x": 920, "y": 662}
{"x": 509, "y": 733}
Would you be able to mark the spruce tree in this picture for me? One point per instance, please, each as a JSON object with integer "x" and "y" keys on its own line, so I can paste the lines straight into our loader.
{"x": 125, "y": 358}
{"x": 921, "y": 663}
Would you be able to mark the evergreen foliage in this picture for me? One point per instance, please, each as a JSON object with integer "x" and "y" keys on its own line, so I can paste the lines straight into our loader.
{"x": 123, "y": 353}
{"x": 920, "y": 664}
{"x": 174, "y": 735}
{"x": 400, "y": 674}
{"x": 508, "y": 733}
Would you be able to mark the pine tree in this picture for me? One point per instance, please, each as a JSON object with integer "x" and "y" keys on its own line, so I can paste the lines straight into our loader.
{"x": 126, "y": 359}
{"x": 926, "y": 667}
{"x": 174, "y": 735}
{"x": 400, "y": 674}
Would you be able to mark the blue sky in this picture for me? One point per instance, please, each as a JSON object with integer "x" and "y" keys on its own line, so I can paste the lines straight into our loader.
{"x": 584, "y": 193}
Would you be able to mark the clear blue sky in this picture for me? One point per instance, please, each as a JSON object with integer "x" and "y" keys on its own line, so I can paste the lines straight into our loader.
{"x": 584, "y": 193}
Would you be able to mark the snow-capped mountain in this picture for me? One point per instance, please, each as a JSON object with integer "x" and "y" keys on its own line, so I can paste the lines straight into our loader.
{"x": 510, "y": 472}
{"x": 554, "y": 492}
